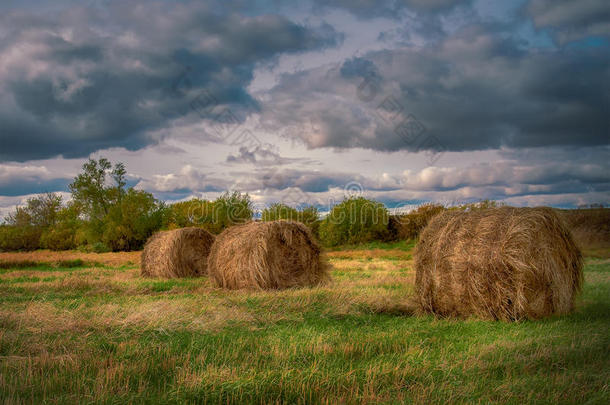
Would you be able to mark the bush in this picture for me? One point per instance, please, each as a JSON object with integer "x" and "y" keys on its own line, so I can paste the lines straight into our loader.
{"x": 214, "y": 216}
{"x": 308, "y": 215}
{"x": 99, "y": 247}
{"x": 63, "y": 235}
{"x": 25, "y": 237}
{"x": 409, "y": 226}
{"x": 60, "y": 237}
{"x": 280, "y": 211}
{"x": 355, "y": 220}
{"x": 232, "y": 208}
{"x": 590, "y": 226}
{"x": 130, "y": 222}
{"x": 195, "y": 212}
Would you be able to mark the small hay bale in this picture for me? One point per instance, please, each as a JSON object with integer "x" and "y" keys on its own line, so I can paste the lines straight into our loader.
{"x": 499, "y": 263}
{"x": 266, "y": 255}
{"x": 177, "y": 253}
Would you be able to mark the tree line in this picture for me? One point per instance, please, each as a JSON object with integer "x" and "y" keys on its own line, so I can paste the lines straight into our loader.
{"x": 104, "y": 214}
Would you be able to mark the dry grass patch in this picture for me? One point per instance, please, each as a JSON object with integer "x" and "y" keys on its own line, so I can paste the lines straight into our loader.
{"x": 370, "y": 254}
{"x": 114, "y": 259}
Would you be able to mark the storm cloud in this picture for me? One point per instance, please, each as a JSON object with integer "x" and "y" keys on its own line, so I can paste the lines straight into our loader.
{"x": 87, "y": 79}
{"x": 571, "y": 20}
{"x": 515, "y": 98}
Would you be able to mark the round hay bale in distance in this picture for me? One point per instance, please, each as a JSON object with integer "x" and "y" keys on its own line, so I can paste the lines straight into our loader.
{"x": 500, "y": 263}
{"x": 266, "y": 255}
{"x": 177, "y": 253}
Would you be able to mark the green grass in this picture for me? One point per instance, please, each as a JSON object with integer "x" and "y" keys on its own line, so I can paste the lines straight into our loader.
{"x": 60, "y": 265}
{"x": 105, "y": 335}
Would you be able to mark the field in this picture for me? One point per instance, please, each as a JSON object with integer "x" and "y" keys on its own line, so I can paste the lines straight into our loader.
{"x": 87, "y": 328}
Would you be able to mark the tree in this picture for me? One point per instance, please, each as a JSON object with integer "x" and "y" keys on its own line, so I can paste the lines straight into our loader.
{"x": 195, "y": 212}
{"x": 63, "y": 235}
{"x": 39, "y": 211}
{"x": 230, "y": 209}
{"x": 26, "y": 225}
{"x": 132, "y": 220}
{"x": 118, "y": 174}
{"x": 307, "y": 215}
{"x": 91, "y": 191}
{"x": 409, "y": 226}
{"x": 355, "y": 220}
{"x": 280, "y": 211}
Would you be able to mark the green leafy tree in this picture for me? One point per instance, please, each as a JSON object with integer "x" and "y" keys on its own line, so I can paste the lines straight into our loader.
{"x": 230, "y": 209}
{"x": 311, "y": 217}
{"x": 132, "y": 220}
{"x": 26, "y": 225}
{"x": 64, "y": 234}
{"x": 280, "y": 211}
{"x": 409, "y": 226}
{"x": 39, "y": 211}
{"x": 195, "y": 212}
{"x": 93, "y": 190}
{"x": 355, "y": 220}
{"x": 15, "y": 238}
{"x": 307, "y": 215}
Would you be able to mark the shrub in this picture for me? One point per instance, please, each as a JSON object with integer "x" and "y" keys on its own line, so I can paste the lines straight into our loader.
{"x": 59, "y": 237}
{"x": 409, "y": 226}
{"x": 63, "y": 235}
{"x": 231, "y": 209}
{"x": 308, "y": 215}
{"x": 24, "y": 237}
{"x": 214, "y": 216}
{"x": 279, "y": 211}
{"x": 130, "y": 222}
{"x": 355, "y": 220}
{"x": 99, "y": 247}
{"x": 590, "y": 226}
{"x": 481, "y": 205}
{"x": 195, "y": 212}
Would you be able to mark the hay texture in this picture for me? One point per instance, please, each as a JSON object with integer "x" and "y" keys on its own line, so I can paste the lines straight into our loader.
{"x": 177, "y": 253}
{"x": 499, "y": 263}
{"x": 266, "y": 255}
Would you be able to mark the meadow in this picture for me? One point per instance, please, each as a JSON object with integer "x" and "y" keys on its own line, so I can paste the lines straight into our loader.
{"x": 86, "y": 328}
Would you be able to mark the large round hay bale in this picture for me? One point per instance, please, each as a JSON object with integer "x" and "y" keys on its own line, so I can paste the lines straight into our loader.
{"x": 499, "y": 263}
{"x": 266, "y": 255}
{"x": 177, "y": 253}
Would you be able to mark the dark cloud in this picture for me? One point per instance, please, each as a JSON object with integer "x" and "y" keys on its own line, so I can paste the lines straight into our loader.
{"x": 475, "y": 90}
{"x": 84, "y": 79}
{"x": 263, "y": 156}
{"x": 391, "y": 8}
{"x": 571, "y": 20}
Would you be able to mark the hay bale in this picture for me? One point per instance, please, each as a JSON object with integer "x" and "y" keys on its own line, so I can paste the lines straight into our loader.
{"x": 266, "y": 255}
{"x": 177, "y": 253}
{"x": 499, "y": 263}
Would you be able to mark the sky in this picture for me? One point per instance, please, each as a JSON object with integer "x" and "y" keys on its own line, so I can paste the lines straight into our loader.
{"x": 403, "y": 101}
